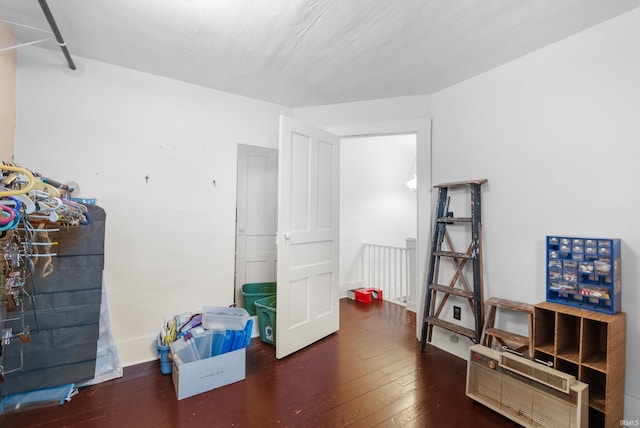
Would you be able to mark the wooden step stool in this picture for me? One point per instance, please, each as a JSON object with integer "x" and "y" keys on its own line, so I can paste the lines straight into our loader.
{"x": 505, "y": 338}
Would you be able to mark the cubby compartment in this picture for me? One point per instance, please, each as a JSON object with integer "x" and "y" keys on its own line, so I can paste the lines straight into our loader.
{"x": 597, "y": 381}
{"x": 544, "y": 330}
{"x": 569, "y": 367}
{"x": 596, "y": 418}
{"x": 594, "y": 344}
{"x": 544, "y": 357}
{"x": 568, "y": 337}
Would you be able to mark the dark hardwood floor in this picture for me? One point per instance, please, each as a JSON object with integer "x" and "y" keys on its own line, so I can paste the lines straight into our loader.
{"x": 369, "y": 374}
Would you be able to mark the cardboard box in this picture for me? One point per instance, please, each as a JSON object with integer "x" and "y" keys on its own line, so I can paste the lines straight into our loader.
{"x": 196, "y": 377}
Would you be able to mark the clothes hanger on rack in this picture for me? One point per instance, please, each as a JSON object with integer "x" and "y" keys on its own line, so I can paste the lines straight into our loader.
{"x": 22, "y": 190}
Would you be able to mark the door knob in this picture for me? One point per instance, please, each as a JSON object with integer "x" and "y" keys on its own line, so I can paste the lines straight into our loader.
{"x": 287, "y": 236}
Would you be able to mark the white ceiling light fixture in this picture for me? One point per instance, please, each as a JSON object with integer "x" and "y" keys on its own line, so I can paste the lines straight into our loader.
{"x": 413, "y": 183}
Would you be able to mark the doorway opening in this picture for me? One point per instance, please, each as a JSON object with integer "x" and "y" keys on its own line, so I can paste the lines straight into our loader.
{"x": 421, "y": 128}
{"x": 378, "y": 215}
{"x": 376, "y": 207}
{"x": 256, "y": 217}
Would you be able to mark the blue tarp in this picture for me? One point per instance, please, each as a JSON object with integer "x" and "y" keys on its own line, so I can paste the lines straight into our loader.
{"x": 38, "y": 398}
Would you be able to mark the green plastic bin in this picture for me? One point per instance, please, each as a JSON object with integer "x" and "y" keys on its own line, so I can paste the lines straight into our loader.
{"x": 266, "y": 311}
{"x": 255, "y": 291}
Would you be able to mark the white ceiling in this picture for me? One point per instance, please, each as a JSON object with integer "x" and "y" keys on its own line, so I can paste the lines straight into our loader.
{"x": 310, "y": 52}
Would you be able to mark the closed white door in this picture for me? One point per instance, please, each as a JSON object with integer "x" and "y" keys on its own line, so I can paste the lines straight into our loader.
{"x": 308, "y": 236}
{"x": 256, "y": 222}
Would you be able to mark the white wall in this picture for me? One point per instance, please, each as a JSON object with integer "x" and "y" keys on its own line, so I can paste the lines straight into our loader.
{"x": 556, "y": 133}
{"x": 375, "y": 204}
{"x": 385, "y": 110}
{"x": 170, "y": 241}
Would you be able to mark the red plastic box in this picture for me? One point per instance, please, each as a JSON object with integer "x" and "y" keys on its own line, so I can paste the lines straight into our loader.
{"x": 367, "y": 295}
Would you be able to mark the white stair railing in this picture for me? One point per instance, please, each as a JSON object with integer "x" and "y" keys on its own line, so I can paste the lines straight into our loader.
{"x": 388, "y": 268}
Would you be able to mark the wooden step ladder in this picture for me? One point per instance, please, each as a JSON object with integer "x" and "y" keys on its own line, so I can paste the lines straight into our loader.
{"x": 517, "y": 342}
{"x": 442, "y": 248}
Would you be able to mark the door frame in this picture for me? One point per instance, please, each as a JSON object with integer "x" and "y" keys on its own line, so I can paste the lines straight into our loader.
{"x": 244, "y": 151}
{"x": 422, "y": 129}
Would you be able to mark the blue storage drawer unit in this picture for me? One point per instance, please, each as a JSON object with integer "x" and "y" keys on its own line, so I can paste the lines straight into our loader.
{"x": 584, "y": 272}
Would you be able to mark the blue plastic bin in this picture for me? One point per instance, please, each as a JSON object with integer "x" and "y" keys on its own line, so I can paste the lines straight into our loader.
{"x": 165, "y": 359}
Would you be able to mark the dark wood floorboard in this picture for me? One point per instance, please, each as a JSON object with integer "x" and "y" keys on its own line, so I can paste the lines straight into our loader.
{"x": 369, "y": 374}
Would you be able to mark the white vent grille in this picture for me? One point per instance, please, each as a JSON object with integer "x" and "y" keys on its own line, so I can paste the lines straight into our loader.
{"x": 544, "y": 375}
{"x": 526, "y": 392}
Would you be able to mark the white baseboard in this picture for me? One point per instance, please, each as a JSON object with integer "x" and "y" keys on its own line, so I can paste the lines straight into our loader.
{"x": 346, "y": 286}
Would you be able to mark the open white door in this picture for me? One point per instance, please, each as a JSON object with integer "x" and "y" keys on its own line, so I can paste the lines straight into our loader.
{"x": 308, "y": 236}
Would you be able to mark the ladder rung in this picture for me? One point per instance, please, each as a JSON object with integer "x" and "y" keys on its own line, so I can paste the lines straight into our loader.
{"x": 508, "y": 336}
{"x": 462, "y": 183}
{"x": 452, "y": 254}
{"x": 510, "y": 304}
{"x": 454, "y": 220}
{"x": 463, "y": 331}
{"x": 450, "y": 290}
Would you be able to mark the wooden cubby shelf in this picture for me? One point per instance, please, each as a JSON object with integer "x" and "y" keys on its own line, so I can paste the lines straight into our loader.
{"x": 569, "y": 367}
{"x": 589, "y": 345}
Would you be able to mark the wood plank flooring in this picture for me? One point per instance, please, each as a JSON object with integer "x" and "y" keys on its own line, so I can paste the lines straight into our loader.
{"x": 369, "y": 374}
